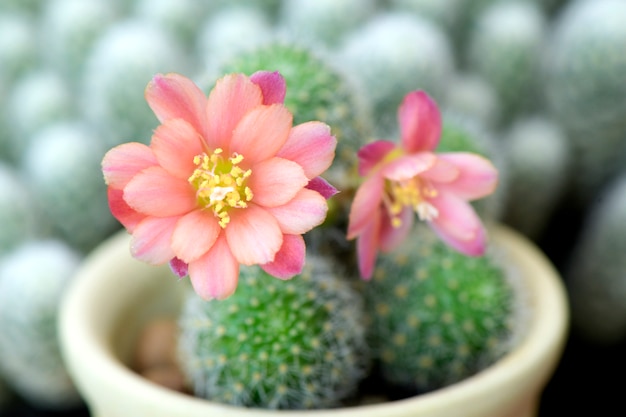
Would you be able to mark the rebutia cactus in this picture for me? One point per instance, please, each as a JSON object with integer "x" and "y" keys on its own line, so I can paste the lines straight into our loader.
{"x": 316, "y": 90}
{"x": 277, "y": 344}
{"x": 18, "y": 216}
{"x": 228, "y": 32}
{"x": 37, "y": 100}
{"x": 471, "y": 95}
{"x": 378, "y": 55}
{"x": 120, "y": 65}
{"x": 325, "y": 21}
{"x": 596, "y": 275}
{"x": 71, "y": 28}
{"x": 538, "y": 155}
{"x": 180, "y": 18}
{"x": 505, "y": 48}
{"x": 437, "y": 316}
{"x": 33, "y": 278}
{"x": 585, "y": 86}
{"x": 62, "y": 169}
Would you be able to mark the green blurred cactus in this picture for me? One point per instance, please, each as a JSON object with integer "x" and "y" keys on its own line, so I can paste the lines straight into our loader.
{"x": 379, "y": 55}
{"x": 121, "y": 63}
{"x": 33, "y": 279}
{"x": 596, "y": 274}
{"x": 18, "y": 210}
{"x": 505, "y": 48}
{"x": 538, "y": 155}
{"x": 436, "y": 315}
{"x": 72, "y": 27}
{"x": 472, "y": 96}
{"x": 277, "y": 344}
{"x": 585, "y": 86}
{"x": 62, "y": 170}
{"x": 324, "y": 22}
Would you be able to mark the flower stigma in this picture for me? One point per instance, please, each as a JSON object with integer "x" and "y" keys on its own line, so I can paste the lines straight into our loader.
{"x": 220, "y": 183}
{"x": 412, "y": 193}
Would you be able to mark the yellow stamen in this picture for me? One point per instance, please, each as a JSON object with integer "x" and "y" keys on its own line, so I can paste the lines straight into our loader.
{"x": 413, "y": 193}
{"x": 220, "y": 184}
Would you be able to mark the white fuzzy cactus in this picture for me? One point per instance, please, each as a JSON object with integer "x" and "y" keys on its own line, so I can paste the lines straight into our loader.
{"x": 33, "y": 278}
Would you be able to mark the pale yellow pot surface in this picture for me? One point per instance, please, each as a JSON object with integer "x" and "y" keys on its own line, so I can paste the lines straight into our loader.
{"x": 113, "y": 294}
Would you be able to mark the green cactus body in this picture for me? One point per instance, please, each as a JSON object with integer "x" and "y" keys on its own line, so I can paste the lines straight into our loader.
{"x": 596, "y": 274}
{"x": 62, "y": 170}
{"x": 538, "y": 155}
{"x": 437, "y": 316}
{"x": 316, "y": 90}
{"x": 33, "y": 278}
{"x": 277, "y": 344}
{"x": 325, "y": 22}
{"x": 461, "y": 133}
{"x": 378, "y": 55}
{"x": 505, "y": 48}
{"x": 122, "y": 61}
{"x": 585, "y": 87}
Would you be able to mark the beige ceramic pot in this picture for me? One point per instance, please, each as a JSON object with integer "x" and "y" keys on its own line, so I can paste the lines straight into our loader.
{"x": 113, "y": 295}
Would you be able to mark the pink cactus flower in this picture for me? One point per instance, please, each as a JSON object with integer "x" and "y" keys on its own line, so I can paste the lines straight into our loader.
{"x": 407, "y": 178}
{"x": 227, "y": 180}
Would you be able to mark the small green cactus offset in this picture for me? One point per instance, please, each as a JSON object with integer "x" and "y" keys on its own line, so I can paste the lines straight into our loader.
{"x": 277, "y": 344}
{"x": 436, "y": 316}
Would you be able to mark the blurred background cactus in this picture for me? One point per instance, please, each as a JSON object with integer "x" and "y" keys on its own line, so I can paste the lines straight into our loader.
{"x": 277, "y": 344}
{"x": 539, "y": 82}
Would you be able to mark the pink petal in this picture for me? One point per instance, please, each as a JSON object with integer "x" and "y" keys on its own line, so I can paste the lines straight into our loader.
{"x": 305, "y": 211}
{"x": 234, "y": 96}
{"x": 175, "y": 143}
{"x": 151, "y": 240}
{"x": 253, "y": 235}
{"x": 373, "y": 153}
{"x": 367, "y": 200}
{"x": 272, "y": 84}
{"x": 312, "y": 146}
{"x": 441, "y": 171}
{"x": 289, "y": 260}
{"x": 275, "y": 181}
{"x": 215, "y": 275}
{"x": 408, "y": 166}
{"x": 322, "y": 186}
{"x": 174, "y": 96}
{"x": 123, "y": 162}
{"x": 128, "y": 217}
{"x": 477, "y": 176}
{"x": 155, "y": 192}
{"x": 367, "y": 246}
{"x": 458, "y": 225}
{"x": 391, "y": 237}
{"x": 179, "y": 268}
{"x": 420, "y": 122}
{"x": 261, "y": 133}
{"x": 194, "y": 235}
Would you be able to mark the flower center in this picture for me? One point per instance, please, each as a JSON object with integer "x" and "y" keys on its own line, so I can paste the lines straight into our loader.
{"x": 412, "y": 193}
{"x": 220, "y": 183}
